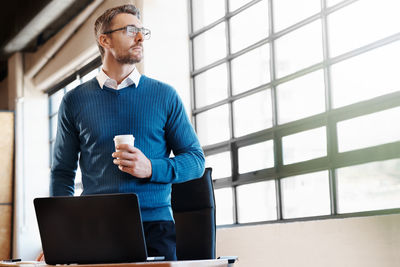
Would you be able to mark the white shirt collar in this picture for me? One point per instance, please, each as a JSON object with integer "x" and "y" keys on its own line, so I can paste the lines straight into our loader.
{"x": 103, "y": 79}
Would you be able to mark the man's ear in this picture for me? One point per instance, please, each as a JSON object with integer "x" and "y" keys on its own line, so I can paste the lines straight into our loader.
{"x": 104, "y": 41}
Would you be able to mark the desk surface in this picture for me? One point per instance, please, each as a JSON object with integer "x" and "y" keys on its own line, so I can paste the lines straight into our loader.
{"x": 197, "y": 263}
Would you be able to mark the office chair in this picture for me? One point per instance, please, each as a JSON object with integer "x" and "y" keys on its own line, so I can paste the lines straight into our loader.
{"x": 193, "y": 205}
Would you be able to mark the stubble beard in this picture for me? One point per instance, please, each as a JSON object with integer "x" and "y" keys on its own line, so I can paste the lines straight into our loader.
{"x": 129, "y": 58}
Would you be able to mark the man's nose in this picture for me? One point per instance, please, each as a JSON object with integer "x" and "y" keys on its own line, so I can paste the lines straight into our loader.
{"x": 139, "y": 37}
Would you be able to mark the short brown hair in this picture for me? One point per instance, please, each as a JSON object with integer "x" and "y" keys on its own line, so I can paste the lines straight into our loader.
{"x": 103, "y": 23}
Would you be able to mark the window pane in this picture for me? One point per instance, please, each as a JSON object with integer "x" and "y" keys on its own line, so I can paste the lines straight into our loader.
{"x": 304, "y": 146}
{"x": 53, "y": 126}
{"x": 299, "y": 49}
{"x": 211, "y": 86}
{"x": 78, "y": 182}
{"x": 256, "y": 202}
{"x": 256, "y": 157}
{"x": 207, "y": 11}
{"x": 90, "y": 75}
{"x": 224, "y": 206}
{"x": 301, "y": 97}
{"x": 55, "y": 101}
{"x": 370, "y": 186}
{"x": 373, "y": 74}
{"x": 361, "y": 23}
{"x": 51, "y": 153}
{"x": 235, "y": 4}
{"x": 252, "y": 113}
{"x": 209, "y": 46}
{"x": 333, "y": 2}
{"x": 288, "y": 12}
{"x": 78, "y": 189}
{"x": 72, "y": 85}
{"x": 306, "y": 195}
{"x": 251, "y": 69}
{"x": 213, "y": 125}
{"x": 370, "y": 130}
{"x": 249, "y": 26}
{"x": 78, "y": 175}
{"x": 220, "y": 164}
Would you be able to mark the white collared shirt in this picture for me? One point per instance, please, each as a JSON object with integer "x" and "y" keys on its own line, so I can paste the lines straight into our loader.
{"x": 132, "y": 78}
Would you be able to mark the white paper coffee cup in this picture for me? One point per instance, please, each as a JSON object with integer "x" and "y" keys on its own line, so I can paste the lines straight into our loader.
{"x": 124, "y": 139}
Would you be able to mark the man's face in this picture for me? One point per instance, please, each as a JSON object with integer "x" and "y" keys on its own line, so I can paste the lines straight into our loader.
{"x": 126, "y": 49}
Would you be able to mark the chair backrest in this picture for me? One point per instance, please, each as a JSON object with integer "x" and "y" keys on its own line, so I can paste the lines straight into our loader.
{"x": 193, "y": 205}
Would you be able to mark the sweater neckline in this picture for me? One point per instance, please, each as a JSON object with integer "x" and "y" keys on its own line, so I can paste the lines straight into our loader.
{"x": 123, "y": 90}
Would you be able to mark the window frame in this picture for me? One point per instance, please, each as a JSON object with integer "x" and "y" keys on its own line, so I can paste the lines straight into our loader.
{"x": 333, "y": 160}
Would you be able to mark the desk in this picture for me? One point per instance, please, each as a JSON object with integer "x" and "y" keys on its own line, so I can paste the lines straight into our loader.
{"x": 197, "y": 263}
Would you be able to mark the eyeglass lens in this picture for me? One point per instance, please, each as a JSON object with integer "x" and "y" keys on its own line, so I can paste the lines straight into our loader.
{"x": 132, "y": 31}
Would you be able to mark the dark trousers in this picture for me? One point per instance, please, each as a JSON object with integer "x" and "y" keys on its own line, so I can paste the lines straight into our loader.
{"x": 160, "y": 239}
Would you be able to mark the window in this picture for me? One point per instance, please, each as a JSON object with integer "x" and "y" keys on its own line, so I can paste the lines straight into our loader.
{"x": 244, "y": 78}
{"x": 210, "y": 46}
{"x": 256, "y": 157}
{"x": 256, "y": 202}
{"x": 55, "y": 97}
{"x": 249, "y": 26}
{"x": 369, "y": 186}
{"x": 304, "y": 146}
{"x": 299, "y": 49}
{"x": 305, "y": 195}
{"x": 252, "y": 113}
{"x": 221, "y": 165}
{"x": 295, "y": 105}
{"x": 213, "y": 84}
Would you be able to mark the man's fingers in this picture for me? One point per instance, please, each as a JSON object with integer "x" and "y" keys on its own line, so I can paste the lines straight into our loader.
{"x": 127, "y": 147}
{"x": 125, "y": 163}
{"x": 124, "y": 155}
{"x": 131, "y": 171}
{"x": 131, "y": 160}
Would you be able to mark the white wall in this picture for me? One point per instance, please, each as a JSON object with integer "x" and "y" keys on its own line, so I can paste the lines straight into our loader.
{"x": 31, "y": 157}
{"x": 166, "y": 54}
{"x": 32, "y": 169}
{"x": 352, "y": 242}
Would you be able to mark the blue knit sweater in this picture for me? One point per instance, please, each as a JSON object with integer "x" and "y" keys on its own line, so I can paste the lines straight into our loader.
{"x": 89, "y": 118}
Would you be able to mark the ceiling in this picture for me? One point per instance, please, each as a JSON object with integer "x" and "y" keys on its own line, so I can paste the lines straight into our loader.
{"x": 15, "y": 15}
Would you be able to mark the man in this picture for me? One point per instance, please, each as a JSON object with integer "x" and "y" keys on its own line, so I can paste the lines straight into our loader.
{"x": 122, "y": 101}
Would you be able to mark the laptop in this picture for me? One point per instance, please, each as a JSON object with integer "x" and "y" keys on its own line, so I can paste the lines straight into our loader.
{"x": 91, "y": 229}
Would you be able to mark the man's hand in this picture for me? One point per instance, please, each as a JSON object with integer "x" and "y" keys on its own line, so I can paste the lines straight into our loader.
{"x": 131, "y": 160}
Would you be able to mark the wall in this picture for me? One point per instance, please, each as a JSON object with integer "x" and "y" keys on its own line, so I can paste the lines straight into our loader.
{"x": 166, "y": 54}
{"x": 31, "y": 160}
{"x": 4, "y": 94}
{"x": 6, "y": 181}
{"x": 354, "y": 242}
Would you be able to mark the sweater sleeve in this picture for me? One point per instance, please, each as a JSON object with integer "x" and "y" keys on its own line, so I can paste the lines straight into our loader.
{"x": 65, "y": 154}
{"x": 188, "y": 162}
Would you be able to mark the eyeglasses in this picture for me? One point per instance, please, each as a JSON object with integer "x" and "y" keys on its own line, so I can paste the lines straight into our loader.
{"x": 132, "y": 30}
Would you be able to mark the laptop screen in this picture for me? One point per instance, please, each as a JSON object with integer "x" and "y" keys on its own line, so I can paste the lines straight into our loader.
{"x": 91, "y": 229}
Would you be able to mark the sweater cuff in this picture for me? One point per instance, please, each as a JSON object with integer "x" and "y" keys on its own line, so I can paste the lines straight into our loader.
{"x": 159, "y": 169}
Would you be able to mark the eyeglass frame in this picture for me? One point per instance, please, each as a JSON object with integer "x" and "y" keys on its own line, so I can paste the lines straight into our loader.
{"x": 137, "y": 30}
